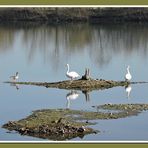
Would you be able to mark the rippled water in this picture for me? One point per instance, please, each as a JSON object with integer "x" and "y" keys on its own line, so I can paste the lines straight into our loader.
{"x": 40, "y": 53}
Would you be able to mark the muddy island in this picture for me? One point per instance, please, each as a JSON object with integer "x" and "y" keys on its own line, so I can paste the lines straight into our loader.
{"x": 63, "y": 124}
{"x": 83, "y": 85}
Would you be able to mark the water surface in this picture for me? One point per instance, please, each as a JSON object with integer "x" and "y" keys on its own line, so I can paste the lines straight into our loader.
{"x": 40, "y": 53}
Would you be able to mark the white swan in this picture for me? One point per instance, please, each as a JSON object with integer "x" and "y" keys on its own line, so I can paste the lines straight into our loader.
{"x": 128, "y": 89}
{"x": 15, "y": 77}
{"x": 128, "y": 76}
{"x": 71, "y": 74}
{"x": 71, "y": 96}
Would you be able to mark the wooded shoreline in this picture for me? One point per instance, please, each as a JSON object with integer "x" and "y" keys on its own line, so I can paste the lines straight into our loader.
{"x": 79, "y": 14}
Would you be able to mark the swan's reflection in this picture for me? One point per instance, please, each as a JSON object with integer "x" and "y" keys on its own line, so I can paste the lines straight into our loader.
{"x": 15, "y": 85}
{"x": 71, "y": 96}
{"x": 128, "y": 90}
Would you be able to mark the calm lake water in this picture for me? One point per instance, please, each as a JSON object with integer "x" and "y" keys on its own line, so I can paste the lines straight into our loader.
{"x": 40, "y": 53}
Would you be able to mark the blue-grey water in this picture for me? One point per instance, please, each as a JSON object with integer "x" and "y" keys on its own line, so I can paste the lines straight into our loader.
{"x": 40, "y": 53}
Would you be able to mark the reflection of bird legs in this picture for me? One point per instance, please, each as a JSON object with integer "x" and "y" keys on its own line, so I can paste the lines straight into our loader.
{"x": 68, "y": 104}
{"x": 16, "y": 85}
{"x": 71, "y": 96}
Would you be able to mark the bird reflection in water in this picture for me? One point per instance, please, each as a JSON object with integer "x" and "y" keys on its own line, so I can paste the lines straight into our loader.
{"x": 128, "y": 90}
{"x": 15, "y": 85}
{"x": 73, "y": 95}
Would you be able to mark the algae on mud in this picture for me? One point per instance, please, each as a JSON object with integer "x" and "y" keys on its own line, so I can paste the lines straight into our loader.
{"x": 62, "y": 124}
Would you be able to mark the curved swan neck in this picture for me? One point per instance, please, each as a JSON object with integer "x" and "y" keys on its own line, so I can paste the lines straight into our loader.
{"x": 67, "y": 68}
{"x": 128, "y": 70}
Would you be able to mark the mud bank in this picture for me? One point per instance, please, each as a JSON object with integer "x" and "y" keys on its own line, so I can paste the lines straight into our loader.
{"x": 53, "y": 124}
{"x": 63, "y": 124}
{"x": 83, "y": 85}
{"x": 80, "y": 84}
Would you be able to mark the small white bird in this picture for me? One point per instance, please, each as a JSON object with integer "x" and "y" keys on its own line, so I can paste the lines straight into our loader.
{"x": 15, "y": 77}
{"x": 128, "y": 76}
{"x": 71, "y": 96}
{"x": 71, "y": 74}
{"x": 128, "y": 90}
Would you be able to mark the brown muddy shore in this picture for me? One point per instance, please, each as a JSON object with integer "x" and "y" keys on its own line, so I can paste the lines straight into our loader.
{"x": 62, "y": 15}
{"x": 65, "y": 124}
{"x": 80, "y": 84}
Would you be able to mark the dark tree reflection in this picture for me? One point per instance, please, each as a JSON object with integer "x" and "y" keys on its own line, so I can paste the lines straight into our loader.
{"x": 57, "y": 43}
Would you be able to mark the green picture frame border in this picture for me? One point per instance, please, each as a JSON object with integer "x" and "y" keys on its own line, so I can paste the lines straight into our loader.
{"x": 74, "y": 144}
{"x": 73, "y": 2}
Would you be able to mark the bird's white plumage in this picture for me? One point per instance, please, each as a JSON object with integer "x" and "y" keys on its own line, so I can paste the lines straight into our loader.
{"x": 128, "y": 75}
{"x": 72, "y": 74}
{"x": 15, "y": 77}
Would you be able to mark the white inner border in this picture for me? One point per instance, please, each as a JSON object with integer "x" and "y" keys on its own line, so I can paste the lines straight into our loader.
{"x": 76, "y": 6}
